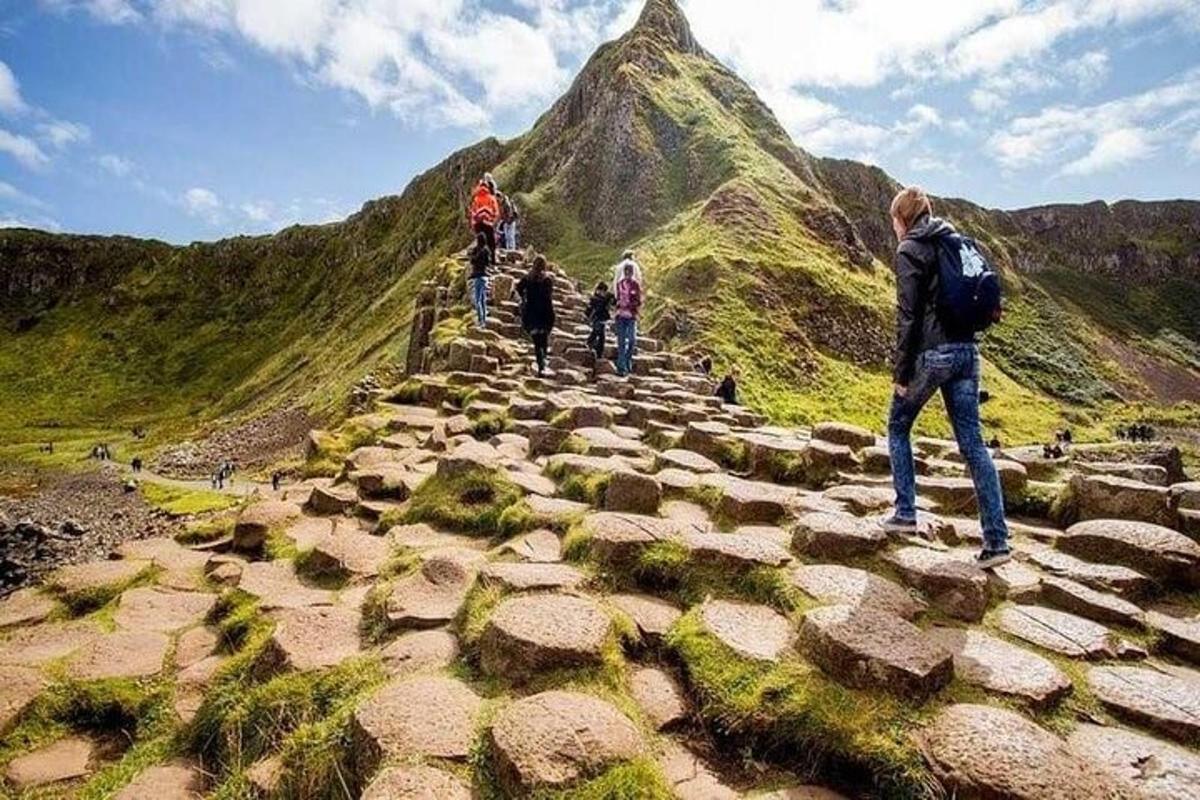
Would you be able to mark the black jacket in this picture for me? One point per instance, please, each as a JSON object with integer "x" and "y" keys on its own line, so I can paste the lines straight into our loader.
{"x": 918, "y": 327}
{"x": 600, "y": 308}
{"x": 537, "y": 309}
{"x": 481, "y": 259}
{"x": 727, "y": 391}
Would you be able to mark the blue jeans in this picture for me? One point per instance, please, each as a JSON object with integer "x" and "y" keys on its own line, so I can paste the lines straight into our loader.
{"x": 954, "y": 369}
{"x": 510, "y": 236}
{"x": 626, "y": 329}
{"x": 479, "y": 290}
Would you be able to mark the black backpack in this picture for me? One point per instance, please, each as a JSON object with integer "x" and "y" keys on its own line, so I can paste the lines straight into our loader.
{"x": 969, "y": 295}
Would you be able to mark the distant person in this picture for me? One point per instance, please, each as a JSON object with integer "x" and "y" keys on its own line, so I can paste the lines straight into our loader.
{"x": 514, "y": 226}
{"x": 537, "y": 309}
{"x": 599, "y": 312}
{"x": 484, "y": 213}
{"x": 936, "y": 350}
{"x": 508, "y": 221}
{"x": 627, "y": 260}
{"x": 629, "y": 305}
{"x": 1067, "y": 437}
{"x": 704, "y": 366}
{"x": 136, "y": 464}
{"x": 727, "y": 390}
{"x": 481, "y": 259}
{"x": 994, "y": 443}
{"x": 276, "y": 477}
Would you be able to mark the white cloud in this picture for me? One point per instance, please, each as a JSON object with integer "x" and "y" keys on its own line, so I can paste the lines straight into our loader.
{"x": 23, "y": 149}
{"x": 1088, "y": 138}
{"x": 113, "y": 163}
{"x": 1113, "y": 149}
{"x": 1089, "y": 69}
{"x": 60, "y": 133}
{"x": 11, "y": 193}
{"x": 926, "y": 162}
{"x": 1194, "y": 146}
{"x": 203, "y": 203}
{"x": 113, "y": 12}
{"x": 256, "y": 212}
{"x": 826, "y": 130}
{"x": 10, "y": 92}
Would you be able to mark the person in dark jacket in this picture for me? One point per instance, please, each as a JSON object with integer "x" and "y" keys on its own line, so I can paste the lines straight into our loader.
{"x": 727, "y": 391}
{"x": 537, "y": 308}
{"x": 481, "y": 259}
{"x": 931, "y": 356}
{"x": 599, "y": 312}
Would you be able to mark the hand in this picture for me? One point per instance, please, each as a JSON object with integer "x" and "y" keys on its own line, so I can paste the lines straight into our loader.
{"x": 901, "y": 391}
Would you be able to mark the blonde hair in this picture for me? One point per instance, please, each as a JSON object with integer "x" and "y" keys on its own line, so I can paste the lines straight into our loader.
{"x": 911, "y": 204}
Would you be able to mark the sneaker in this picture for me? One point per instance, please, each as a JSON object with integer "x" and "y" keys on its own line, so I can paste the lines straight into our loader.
{"x": 895, "y": 524}
{"x": 990, "y": 559}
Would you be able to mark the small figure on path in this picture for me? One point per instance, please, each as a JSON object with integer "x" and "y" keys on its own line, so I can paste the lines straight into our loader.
{"x": 484, "y": 213}
{"x": 629, "y": 305}
{"x": 599, "y": 312}
{"x": 727, "y": 390}
{"x": 136, "y": 464}
{"x": 705, "y": 365}
{"x": 276, "y": 477}
{"x": 481, "y": 259}
{"x": 537, "y": 308}
{"x": 946, "y": 294}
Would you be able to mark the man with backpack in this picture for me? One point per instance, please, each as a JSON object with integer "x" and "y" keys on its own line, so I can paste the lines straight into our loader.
{"x": 484, "y": 213}
{"x": 946, "y": 295}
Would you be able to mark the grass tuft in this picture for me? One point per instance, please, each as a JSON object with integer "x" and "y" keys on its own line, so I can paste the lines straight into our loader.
{"x": 183, "y": 502}
{"x": 473, "y": 502}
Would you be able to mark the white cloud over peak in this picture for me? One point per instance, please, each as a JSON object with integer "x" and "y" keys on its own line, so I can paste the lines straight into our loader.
{"x": 1112, "y": 149}
{"x": 10, "y": 92}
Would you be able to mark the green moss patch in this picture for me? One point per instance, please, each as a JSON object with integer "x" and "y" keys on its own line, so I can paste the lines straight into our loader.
{"x": 472, "y": 502}
{"x": 179, "y": 501}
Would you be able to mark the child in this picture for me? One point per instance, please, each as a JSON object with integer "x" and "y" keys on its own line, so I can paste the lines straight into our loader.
{"x": 599, "y": 311}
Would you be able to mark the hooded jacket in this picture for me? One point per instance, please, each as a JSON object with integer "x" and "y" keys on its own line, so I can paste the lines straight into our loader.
{"x": 484, "y": 208}
{"x": 918, "y": 327}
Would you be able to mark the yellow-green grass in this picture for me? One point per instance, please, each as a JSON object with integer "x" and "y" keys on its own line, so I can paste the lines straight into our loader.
{"x": 181, "y": 501}
{"x": 475, "y": 502}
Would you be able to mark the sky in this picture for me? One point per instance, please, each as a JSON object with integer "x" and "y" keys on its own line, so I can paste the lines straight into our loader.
{"x": 196, "y": 119}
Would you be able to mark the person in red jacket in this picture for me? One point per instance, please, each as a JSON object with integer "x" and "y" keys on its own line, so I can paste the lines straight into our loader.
{"x": 484, "y": 214}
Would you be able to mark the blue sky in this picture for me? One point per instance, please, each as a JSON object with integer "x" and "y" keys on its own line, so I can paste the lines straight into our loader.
{"x": 195, "y": 119}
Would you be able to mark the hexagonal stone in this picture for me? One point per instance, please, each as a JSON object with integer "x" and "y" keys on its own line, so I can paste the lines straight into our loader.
{"x": 1164, "y": 703}
{"x": 468, "y": 456}
{"x": 61, "y": 761}
{"x": 421, "y": 717}
{"x": 651, "y": 616}
{"x": 150, "y": 609}
{"x": 555, "y": 739}
{"x": 735, "y": 550}
{"x": 422, "y": 537}
{"x": 258, "y": 520}
{"x": 175, "y": 781}
{"x": 996, "y": 665}
{"x": 863, "y": 500}
{"x": 686, "y": 460}
{"x": 835, "y": 535}
{"x": 194, "y": 646}
{"x": 182, "y": 568}
{"x": 754, "y": 632}
{"x": 1156, "y": 551}
{"x": 332, "y": 499}
{"x": 603, "y": 442}
{"x": 350, "y": 552}
{"x": 1014, "y": 581}
{"x": 1179, "y": 636}
{"x": 525, "y": 577}
{"x": 851, "y": 436}
{"x": 416, "y": 782}
{"x": 1110, "y": 497}
{"x": 554, "y": 511}
{"x": 25, "y": 607}
{"x": 531, "y": 483}
{"x": 537, "y": 547}
{"x": 306, "y": 639}
{"x": 19, "y": 687}
{"x": 79, "y": 580}
{"x": 659, "y": 697}
{"x": 1058, "y": 631}
{"x": 393, "y": 481}
{"x": 632, "y": 492}
{"x": 747, "y": 502}
{"x": 983, "y": 751}
{"x": 431, "y": 597}
{"x": 124, "y": 654}
{"x": 867, "y": 648}
{"x": 420, "y": 651}
{"x": 619, "y": 537}
{"x": 529, "y": 634}
{"x": 838, "y": 585}
{"x": 1149, "y": 767}
{"x": 957, "y": 588}
{"x": 33, "y": 647}
{"x": 690, "y": 777}
{"x": 276, "y": 585}
{"x": 1101, "y": 577}
{"x": 1102, "y": 607}
{"x": 709, "y": 439}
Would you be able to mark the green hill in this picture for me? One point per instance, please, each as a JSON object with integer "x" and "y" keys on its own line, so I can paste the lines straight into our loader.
{"x": 755, "y": 251}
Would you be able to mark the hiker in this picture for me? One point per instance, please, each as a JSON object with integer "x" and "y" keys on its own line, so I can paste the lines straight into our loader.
{"x": 626, "y": 260}
{"x": 136, "y": 464}
{"x": 727, "y": 391}
{"x": 481, "y": 259}
{"x": 994, "y": 443}
{"x": 484, "y": 213}
{"x": 936, "y": 350}
{"x": 514, "y": 224}
{"x": 276, "y": 477}
{"x": 704, "y": 366}
{"x": 629, "y": 304}
{"x": 1066, "y": 437}
{"x": 537, "y": 308}
{"x": 599, "y": 312}
{"x": 508, "y": 221}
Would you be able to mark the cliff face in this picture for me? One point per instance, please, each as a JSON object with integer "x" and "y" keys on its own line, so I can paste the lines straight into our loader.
{"x": 756, "y": 252}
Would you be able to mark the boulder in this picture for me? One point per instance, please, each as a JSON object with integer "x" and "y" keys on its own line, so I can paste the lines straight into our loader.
{"x": 416, "y": 782}
{"x": 754, "y": 632}
{"x": 651, "y": 616}
{"x": 1058, "y": 631}
{"x": 709, "y": 439}
{"x": 749, "y": 502}
{"x": 415, "y": 718}
{"x": 530, "y": 634}
{"x": 1159, "y": 552}
{"x": 632, "y": 492}
{"x": 841, "y": 433}
{"x": 332, "y": 499}
{"x": 823, "y": 461}
{"x": 987, "y": 752}
{"x": 867, "y": 648}
{"x": 1109, "y": 497}
{"x": 1167, "y": 704}
{"x": 258, "y": 520}
{"x": 837, "y": 535}
{"x": 555, "y": 739}
{"x": 983, "y": 660}
{"x": 1149, "y": 767}
{"x": 839, "y": 585}
{"x": 659, "y": 696}
{"x": 957, "y": 588}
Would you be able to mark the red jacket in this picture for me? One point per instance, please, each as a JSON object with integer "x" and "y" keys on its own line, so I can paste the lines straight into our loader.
{"x": 629, "y": 298}
{"x": 484, "y": 207}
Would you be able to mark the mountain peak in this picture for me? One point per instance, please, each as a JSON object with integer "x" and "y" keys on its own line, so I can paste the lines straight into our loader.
{"x": 665, "y": 20}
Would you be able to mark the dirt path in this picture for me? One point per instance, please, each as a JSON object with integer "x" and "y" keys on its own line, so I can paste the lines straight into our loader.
{"x": 236, "y": 486}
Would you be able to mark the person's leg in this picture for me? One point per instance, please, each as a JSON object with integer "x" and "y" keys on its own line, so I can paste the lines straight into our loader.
{"x": 543, "y": 344}
{"x": 489, "y": 234}
{"x": 961, "y": 396}
{"x": 601, "y": 343}
{"x": 624, "y": 328}
{"x": 904, "y": 411}
{"x": 480, "y": 294}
